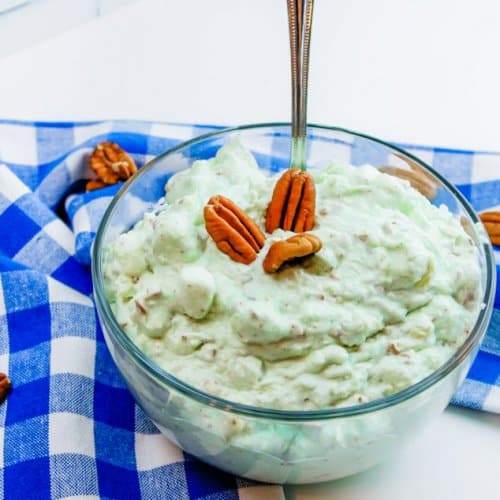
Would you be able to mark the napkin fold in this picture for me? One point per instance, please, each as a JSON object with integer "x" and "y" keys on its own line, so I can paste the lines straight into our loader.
{"x": 70, "y": 426}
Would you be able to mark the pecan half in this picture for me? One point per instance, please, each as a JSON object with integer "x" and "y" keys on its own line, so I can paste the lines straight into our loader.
{"x": 111, "y": 163}
{"x": 298, "y": 245}
{"x": 293, "y": 203}
{"x": 491, "y": 221}
{"x": 417, "y": 179}
{"x": 234, "y": 232}
{"x": 94, "y": 184}
{"x": 5, "y": 387}
{"x": 413, "y": 165}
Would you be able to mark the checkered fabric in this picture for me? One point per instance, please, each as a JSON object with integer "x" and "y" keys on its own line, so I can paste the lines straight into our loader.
{"x": 70, "y": 426}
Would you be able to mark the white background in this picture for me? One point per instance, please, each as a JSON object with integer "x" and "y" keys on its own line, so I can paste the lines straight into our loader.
{"x": 424, "y": 72}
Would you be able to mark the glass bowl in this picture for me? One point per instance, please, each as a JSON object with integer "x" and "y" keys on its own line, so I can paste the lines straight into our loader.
{"x": 274, "y": 445}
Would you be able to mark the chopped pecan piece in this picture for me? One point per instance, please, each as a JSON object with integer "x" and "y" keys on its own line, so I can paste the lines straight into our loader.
{"x": 111, "y": 163}
{"x": 234, "y": 232}
{"x": 418, "y": 179}
{"x": 5, "y": 387}
{"x": 393, "y": 348}
{"x": 140, "y": 307}
{"x": 298, "y": 245}
{"x": 293, "y": 203}
{"x": 491, "y": 221}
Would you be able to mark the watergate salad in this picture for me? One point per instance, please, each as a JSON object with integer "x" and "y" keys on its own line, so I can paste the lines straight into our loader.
{"x": 296, "y": 290}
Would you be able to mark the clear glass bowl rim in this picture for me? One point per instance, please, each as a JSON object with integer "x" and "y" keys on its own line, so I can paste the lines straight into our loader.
{"x": 166, "y": 378}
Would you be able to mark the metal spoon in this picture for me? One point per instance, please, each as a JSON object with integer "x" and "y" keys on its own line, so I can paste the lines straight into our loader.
{"x": 299, "y": 25}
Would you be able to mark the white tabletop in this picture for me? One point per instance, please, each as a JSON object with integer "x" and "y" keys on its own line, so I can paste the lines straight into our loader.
{"x": 422, "y": 72}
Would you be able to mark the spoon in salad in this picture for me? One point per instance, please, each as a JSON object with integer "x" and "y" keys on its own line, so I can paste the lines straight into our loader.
{"x": 299, "y": 26}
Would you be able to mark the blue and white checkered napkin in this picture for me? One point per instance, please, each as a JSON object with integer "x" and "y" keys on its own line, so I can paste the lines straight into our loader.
{"x": 70, "y": 427}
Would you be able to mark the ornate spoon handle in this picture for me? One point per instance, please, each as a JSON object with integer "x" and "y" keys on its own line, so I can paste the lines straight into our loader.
{"x": 299, "y": 25}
